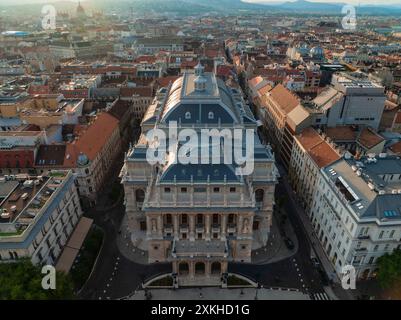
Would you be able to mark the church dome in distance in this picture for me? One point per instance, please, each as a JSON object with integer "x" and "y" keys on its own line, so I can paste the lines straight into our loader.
{"x": 317, "y": 52}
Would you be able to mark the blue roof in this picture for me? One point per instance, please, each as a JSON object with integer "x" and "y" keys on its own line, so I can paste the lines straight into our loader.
{"x": 200, "y": 173}
{"x": 199, "y": 113}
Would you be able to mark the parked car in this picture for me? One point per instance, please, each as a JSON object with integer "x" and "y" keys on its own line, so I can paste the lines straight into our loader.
{"x": 316, "y": 262}
{"x": 289, "y": 244}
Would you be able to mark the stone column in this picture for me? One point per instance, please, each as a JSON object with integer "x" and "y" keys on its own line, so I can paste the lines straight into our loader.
{"x": 240, "y": 219}
{"x": 160, "y": 225}
{"x": 176, "y": 226}
{"x": 191, "y": 227}
{"x": 223, "y": 226}
{"x": 207, "y": 226}
{"x": 192, "y": 269}
{"x": 208, "y": 269}
{"x": 148, "y": 226}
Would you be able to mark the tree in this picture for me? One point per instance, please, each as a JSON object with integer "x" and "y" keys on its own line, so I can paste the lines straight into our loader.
{"x": 389, "y": 269}
{"x": 23, "y": 281}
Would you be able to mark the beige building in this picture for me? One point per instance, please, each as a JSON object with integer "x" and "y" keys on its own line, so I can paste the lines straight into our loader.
{"x": 198, "y": 216}
{"x": 92, "y": 154}
{"x": 310, "y": 152}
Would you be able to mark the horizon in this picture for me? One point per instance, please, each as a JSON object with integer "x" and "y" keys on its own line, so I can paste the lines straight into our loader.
{"x": 353, "y": 2}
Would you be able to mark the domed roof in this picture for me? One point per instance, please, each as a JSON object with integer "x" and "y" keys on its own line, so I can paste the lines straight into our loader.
{"x": 200, "y": 80}
{"x": 82, "y": 159}
{"x": 317, "y": 51}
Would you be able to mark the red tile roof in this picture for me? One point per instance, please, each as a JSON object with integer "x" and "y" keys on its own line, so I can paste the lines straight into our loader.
{"x": 91, "y": 139}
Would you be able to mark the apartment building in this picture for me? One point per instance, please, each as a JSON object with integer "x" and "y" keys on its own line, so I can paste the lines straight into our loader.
{"x": 356, "y": 211}
{"x": 92, "y": 154}
{"x": 310, "y": 153}
{"x": 37, "y": 216}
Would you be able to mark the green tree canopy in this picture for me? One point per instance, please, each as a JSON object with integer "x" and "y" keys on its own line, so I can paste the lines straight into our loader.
{"x": 23, "y": 281}
{"x": 389, "y": 269}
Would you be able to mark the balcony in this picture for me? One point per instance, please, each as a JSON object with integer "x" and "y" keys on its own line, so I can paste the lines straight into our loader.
{"x": 231, "y": 228}
{"x": 363, "y": 237}
{"x": 200, "y": 227}
{"x": 184, "y": 227}
{"x": 216, "y": 227}
{"x": 200, "y": 248}
{"x": 168, "y": 228}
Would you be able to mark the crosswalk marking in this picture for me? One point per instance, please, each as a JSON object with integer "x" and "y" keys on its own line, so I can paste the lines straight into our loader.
{"x": 320, "y": 296}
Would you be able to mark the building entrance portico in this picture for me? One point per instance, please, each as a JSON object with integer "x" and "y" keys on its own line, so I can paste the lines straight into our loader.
{"x": 199, "y": 272}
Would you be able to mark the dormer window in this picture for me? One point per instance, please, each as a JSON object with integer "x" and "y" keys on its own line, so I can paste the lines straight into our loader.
{"x": 188, "y": 115}
{"x": 211, "y": 116}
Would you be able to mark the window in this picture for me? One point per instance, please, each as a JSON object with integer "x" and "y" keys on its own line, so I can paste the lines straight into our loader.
{"x": 233, "y": 189}
{"x": 216, "y": 189}
{"x": 391, "y": 233}
{"x": 381, "y": 234}
{"x": 188, "y": 115}
{"x": 184, "y": 190}
{"x": 184, "y": 219}
{"x": 167, "y": 190}
{"x": 211, "y": 115}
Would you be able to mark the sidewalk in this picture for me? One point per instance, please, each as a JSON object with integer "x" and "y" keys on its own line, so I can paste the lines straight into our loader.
{"x": 275, "y": 250}
{"x": 126, "y": 244}
{"x": 215, "y": 293}
{"x": 336, "y": 289}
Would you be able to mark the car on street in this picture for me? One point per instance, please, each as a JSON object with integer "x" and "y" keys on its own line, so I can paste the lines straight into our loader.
{"x": 316, "y": 262}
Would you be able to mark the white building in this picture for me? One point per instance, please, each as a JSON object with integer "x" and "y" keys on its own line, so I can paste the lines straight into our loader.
{"x": 356, "y": 211}
{"x": 38, "y": 215}
{"x": 350, "y": 100}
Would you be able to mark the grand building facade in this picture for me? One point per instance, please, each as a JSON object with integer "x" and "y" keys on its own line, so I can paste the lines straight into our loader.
{"x": 199, "y": 216}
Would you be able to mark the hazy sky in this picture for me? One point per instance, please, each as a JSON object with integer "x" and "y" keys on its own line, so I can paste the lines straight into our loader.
{"x": 376, "y": 2}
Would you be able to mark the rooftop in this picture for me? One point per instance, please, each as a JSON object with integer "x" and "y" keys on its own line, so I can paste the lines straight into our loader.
{"x": 319, "y": 149}
{"x": 23, "y": 198}
{"x": 371, "y": 186}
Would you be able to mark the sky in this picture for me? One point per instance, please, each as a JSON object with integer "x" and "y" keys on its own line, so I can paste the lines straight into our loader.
{"x": 355, "y": 2}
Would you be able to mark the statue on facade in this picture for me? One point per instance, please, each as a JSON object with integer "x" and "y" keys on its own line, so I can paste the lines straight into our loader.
{"x": 154, "y": 228}
{"x": 245, "y": 228}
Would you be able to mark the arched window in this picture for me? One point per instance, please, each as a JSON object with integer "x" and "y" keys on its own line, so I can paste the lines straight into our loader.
{"x": 199, "y": 218}
{"x": 184, "y": 218}
{"x": 139, "y": 195}
{"x": 216, "y": 267}
{"x": 259, "y": 194}
{"x": 211, "y": 115}
{"x": 183, "y": 268}
{"x": 199, "y": 268}
{"x": 188, "y": 115}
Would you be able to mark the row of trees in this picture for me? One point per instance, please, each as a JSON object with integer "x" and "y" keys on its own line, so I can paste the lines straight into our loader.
{"x": 389, "y": 274}
{"x": 23, "y": 281}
